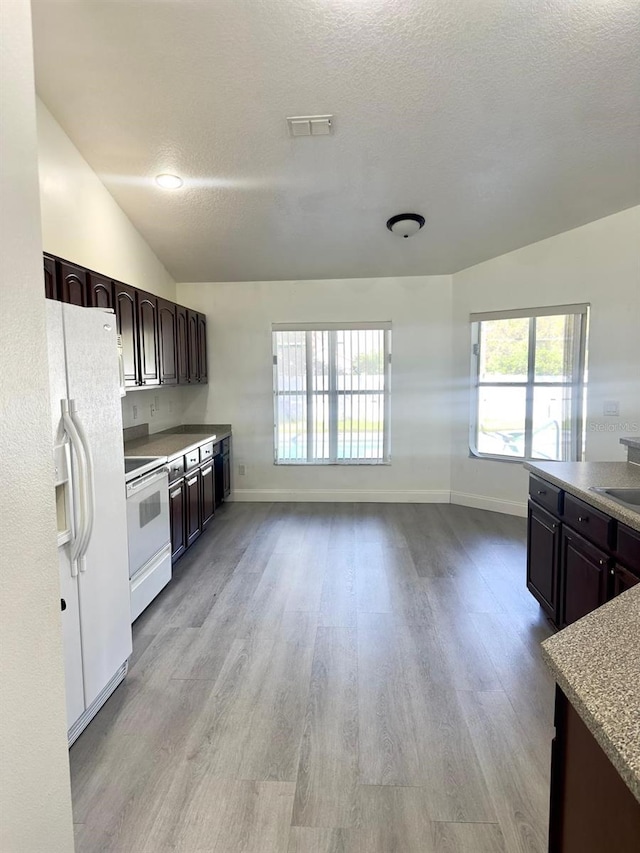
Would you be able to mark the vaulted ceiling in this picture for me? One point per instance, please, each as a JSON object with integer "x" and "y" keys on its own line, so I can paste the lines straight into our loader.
{"x": 500, "y": 122}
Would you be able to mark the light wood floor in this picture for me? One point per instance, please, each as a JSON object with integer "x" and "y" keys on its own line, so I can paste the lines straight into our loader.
{"x": 330, "y": 678}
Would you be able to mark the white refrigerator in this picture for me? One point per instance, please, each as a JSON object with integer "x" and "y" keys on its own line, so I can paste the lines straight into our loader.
{"x": 91, "y": 506}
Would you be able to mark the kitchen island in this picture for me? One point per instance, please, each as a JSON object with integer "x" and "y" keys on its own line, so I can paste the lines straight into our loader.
{"x": 595, "y": 765}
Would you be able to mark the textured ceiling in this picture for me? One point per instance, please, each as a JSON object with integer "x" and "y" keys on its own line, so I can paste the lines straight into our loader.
{"x": 501, "y": 122}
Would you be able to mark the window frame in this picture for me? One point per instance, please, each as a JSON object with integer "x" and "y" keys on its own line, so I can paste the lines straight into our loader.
{"x": 332, "y": 392}
{"x": 577, "y": 385}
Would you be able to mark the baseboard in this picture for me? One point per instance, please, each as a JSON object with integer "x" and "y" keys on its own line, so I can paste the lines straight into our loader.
{"x": 342, "y": 495}
{"x": 492, "y": 504}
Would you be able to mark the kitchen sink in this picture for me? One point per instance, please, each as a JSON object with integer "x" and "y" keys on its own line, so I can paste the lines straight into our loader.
{"x": 628, "y": 497}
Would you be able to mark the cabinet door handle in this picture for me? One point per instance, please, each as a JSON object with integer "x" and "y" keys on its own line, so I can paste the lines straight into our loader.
{"x": 612, "y": 571}
{"x": 603, "y": 563}
{"x": 554, "y": 526}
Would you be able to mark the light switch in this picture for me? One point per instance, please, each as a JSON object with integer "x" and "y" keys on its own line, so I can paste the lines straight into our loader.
{"x": 611, "y": 408}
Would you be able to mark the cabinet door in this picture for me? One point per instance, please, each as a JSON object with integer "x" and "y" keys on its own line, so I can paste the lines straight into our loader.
{"x": 192, "y": 345}
{"x": 72, "y": 284}
{"x": 584, "y": 572}
{"x": 192, "y": 483}
{"x": 177, "y": 519}
{"x": 543, "y": 552}
{"x": 127, "y": 320}
{"x": 50, "y": 280}
{"x": 226, "y": 475}
{"x": 202, "y": 348}
{"x": 623, "y": 580}
{"x": 182, "y": 345}
{"x": 148, "y": 338}
{"x": 167, "y": 338}
{"x": 100, "y": 291}
{"x": 218, "y": 470}
{"x": 208, "y": 494}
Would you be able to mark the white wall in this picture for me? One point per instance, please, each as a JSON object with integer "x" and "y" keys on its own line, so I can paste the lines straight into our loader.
{"x": 239, "y": 318}
{"x": 81, "y": 220}
{"x": 598, "y": 263}
{"x": 161, "y": 408}
{"x": 35, "y": 800}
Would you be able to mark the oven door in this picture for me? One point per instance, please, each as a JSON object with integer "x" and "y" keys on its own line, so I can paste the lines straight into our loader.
{"x": 147, "y": 518}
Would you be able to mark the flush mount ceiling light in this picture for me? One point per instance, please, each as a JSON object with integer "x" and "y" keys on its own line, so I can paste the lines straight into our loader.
{"x": 169, "y": 182}
{"x": 405, "y": 224}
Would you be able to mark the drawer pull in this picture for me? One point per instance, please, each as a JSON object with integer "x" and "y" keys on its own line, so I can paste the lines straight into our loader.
{"x": 602, "y": 562}
{"x": 175, "y": 494}
{"x": 542, "y": 492}
{"x": 191, "y": 482}
{"x": 554, "y": 526}
{"x": 583, "y": 518}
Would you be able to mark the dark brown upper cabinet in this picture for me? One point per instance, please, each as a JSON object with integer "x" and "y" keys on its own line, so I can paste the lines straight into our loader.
{"x": 192, "y": 344}
{"x": 127, "y": 320}
{"x": 72, "y": 284}
{"x": 100, "y": 291}
{"x": 167, "y": 334}
{"x": 202, "y": 348}
{"x": 149, "y": 350}
{"x": 162, "y": 343}
{"x": 182, "y": 344}
{"x": 50, "y": 278}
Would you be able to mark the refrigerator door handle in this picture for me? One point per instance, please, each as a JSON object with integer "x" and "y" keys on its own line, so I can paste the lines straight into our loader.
{"x": 80, "y": 507}
{"x": 89, "y": 484}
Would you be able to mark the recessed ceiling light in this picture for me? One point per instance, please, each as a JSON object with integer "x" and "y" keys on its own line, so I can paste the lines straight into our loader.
{"x": 169, "y": 182}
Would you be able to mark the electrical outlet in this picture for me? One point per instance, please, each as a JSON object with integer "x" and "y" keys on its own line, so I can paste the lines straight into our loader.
{"x": 135, "y": 413}
{"x": 242, "y": 470}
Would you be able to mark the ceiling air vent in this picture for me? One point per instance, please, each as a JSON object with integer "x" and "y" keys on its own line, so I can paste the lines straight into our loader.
{"x": 310, "y": 125}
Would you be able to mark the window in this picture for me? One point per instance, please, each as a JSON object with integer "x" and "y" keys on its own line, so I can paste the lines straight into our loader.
{"x": 331, "y": 389}
{"x": 528, "y": 375}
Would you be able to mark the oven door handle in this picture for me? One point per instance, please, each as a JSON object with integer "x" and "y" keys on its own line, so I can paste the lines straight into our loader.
{"x": 147, "y": 480}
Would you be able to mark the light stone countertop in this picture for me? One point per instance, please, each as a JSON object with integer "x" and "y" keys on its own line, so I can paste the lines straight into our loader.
{"x": 577, "y": 478}
{"x": 177, "y": 440}
{"x": 596, "y": 662}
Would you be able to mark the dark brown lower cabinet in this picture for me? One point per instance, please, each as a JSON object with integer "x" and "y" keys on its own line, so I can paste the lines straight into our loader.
{"x": 192, "y": 503}
{"x": 543, "y": 558}
{"x": 226, "y": 474}
{"x": 623, "y": 579}
{"x": 592, "y": 809}
{"x": 585, "y": 573}
{"x": 177, "y": 519}
{"x": 207, "y": 494}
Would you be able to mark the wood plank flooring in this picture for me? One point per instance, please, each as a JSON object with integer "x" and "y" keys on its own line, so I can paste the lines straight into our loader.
{"x": 330, "y": 678}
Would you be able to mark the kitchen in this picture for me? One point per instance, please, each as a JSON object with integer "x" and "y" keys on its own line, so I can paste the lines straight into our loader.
{"x": 588, "y": 257}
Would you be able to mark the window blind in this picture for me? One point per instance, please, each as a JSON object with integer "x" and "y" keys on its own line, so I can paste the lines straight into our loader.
{"x": 331, "y": 391}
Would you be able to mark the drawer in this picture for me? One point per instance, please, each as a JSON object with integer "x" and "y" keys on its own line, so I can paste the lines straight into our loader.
{"x": 588, "y": 521}
{"x": 206, "y": 451}
{"x": 628, "y": 547}
{"x": 191, "y": 459}
{"x": 226, "y": 446}
{"x": 176, "y": 469}
{"x": 546, "y": 494}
